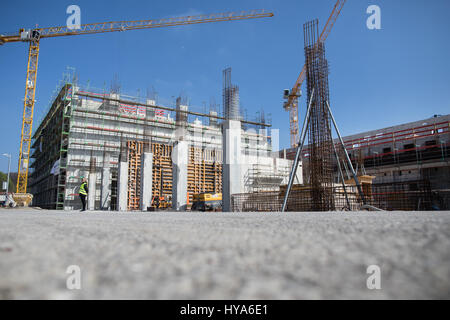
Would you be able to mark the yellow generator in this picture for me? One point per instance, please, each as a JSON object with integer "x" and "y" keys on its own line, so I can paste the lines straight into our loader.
{"x": 207, "y": 202}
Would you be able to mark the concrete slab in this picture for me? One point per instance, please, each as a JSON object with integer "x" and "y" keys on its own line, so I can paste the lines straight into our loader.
{"x": 165, "y": 255}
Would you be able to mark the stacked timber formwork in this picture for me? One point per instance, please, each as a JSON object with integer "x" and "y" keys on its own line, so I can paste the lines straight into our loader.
{"x": 161, "y": 173}
{"x": 162, "y": 170}
{"x": 204, "y": 171}
{"x": 135, "y": 149}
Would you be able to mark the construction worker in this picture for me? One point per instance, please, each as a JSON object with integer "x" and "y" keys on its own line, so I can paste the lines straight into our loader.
{"x": 83, "y": 193}
{"x": 157, "y": 202}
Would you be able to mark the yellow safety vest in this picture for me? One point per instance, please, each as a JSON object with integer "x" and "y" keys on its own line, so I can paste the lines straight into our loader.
{"x": 82, "y": 189}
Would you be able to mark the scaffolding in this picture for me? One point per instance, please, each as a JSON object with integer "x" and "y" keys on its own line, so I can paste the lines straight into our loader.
{"x": 50, "y": 145}
{"x": 87, "y": 130}
{"x": 263, "y": 178}
{"x": 204, "y": 171}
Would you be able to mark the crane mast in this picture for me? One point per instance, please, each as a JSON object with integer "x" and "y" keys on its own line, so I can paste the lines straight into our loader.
{"x": 27, "y": 118}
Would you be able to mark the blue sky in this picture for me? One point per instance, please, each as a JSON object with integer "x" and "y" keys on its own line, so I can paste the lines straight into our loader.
{"x": 378, "y": 78}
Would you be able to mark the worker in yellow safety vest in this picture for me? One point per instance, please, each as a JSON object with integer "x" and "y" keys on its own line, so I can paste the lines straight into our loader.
{"x": 83, "y": 193}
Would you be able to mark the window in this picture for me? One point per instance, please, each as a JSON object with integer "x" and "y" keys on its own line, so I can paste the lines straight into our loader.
{"x": 430, "y": 143}
{"x": 386, "y": 150}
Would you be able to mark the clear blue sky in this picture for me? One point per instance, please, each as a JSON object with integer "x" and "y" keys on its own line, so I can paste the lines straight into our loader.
{"x": 378, "y": 78}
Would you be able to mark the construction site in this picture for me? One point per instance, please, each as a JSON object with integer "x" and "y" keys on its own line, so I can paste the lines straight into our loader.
{"x": 125, "y": 147}
{"x": 246, "y": 155}
{"x": 132, "y": 151}
{"x": 140, "y": 155}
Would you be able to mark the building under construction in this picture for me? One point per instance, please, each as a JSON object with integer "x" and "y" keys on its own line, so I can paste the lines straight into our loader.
{"x": 403, "y": 167}
{"x": 132, "y": 151}
{"x": 411, "y": 158}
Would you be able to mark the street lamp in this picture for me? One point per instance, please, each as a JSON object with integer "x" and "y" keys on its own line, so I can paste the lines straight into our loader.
{"x": 9, "y": 167}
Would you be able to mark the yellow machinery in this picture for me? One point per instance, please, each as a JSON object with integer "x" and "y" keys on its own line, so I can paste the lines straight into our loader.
{"x": 207, "y": 202}
{"x": 35, "y": 35}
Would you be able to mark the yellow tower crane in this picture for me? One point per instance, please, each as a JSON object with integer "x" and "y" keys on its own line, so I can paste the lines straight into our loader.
{"x": 291, "y": 97}
{"x": 33, "y": 36}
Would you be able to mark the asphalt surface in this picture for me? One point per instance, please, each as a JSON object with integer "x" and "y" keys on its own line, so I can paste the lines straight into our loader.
{"x": 224, "y": 255}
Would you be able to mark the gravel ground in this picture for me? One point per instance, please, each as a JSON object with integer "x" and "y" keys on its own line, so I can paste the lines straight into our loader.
{"x": 224, "y": 255}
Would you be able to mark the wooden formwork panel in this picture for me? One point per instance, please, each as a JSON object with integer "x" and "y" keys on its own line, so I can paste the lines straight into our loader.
{"x": 162, "y": 170}
{"x": 134, "y": 151}
{"x": 204, "y": 171}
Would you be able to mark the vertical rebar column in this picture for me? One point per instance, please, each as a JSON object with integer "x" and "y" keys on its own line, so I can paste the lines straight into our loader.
{"x": 231, "y": 103}
{"x": 319, "y": 132}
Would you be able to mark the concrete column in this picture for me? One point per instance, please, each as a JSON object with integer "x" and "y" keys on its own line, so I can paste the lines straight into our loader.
{"x": 146, "y": 180}
{"x": 232, "y": 160}
{"x": 122, "y": 186}
{"x": 179, "y": 170}
{"x": 91, "y": 194}
{"x": 106, "y": 184}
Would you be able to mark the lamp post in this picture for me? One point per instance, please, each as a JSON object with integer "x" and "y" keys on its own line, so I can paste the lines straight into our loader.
{"x": 9, "y": 168}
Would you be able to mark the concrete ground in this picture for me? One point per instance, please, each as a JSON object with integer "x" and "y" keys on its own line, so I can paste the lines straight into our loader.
{"x": 224, "y": 255}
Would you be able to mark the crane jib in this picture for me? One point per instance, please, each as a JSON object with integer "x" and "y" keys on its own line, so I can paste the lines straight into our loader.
{"x": 114, "y": 26}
